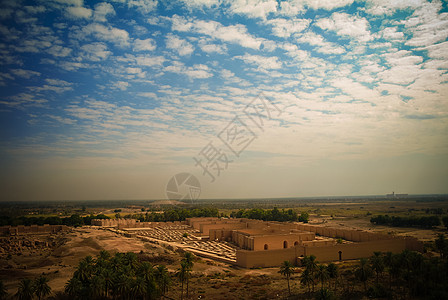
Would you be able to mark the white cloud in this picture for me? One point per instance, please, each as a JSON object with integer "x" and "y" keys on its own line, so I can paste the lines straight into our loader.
{"x": 346, "y": 25}
{"x": 59, "y": 51}
{"x": 328, "y": 4}
{"x": 287, "y": 27}
{"x": 391, "y": 33}
{"x": 144, "y": 6}
{"x": 181, "y": 46}
{"x": 110, "y": 34}
{"x": 102, "y": 10}
{"x": 196, "y": 71}
{"x": 121, "y": 85}
{"x": 317, "y": 40}
{"x": 144, "y": 45}
{"x": 78, "y": 12}
{"x": 427, "y": 25}
{"x": 150, "y": 61}
{"x": 212, "y": 48}
{"x": 147, "y": 95}
{"x": 56, "y": 85}
{"x": 95, "y": 52}
{"x": 201, "y": 3}
{"x": 25, "y": 73}
{"x": 389, "y": 7}
{"x": 263, "y": 62}
{"x": 253, "y": 8}
{"x": 439, "y": 51}
{"x": 234, "y": 33}
{"x": 290, "y": 8}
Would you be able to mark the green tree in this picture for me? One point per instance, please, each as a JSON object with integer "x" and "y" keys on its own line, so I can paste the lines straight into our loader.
{"x": 108, "y": 278}
{"x": 377, "y": 263}
{"x": 138, "y": 288}
{"x": 363, "y": 272}
{"x": 322, "y": 274}
{"x": 307, "y": 279}
{"x": 188, "y": 261}
{"x": 25, "y": 290}
{"x": 310, "y": 264}
{"x": 183, "y": 274}
{"x": 333, "y": 272}
{"x": 287, "y": 269}
{"x": 163, "y": 279}
{"x": 41, "y": 287}
{"x": 73, "y": 288}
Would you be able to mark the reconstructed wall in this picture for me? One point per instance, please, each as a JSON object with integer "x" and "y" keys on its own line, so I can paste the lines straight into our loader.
{"x": 33, "y": 229}
{"x": 273, "y": 258}
{"x": 264, "y": 259}
{"x": 347, "y": 234}
{"x": 132, "y": 223}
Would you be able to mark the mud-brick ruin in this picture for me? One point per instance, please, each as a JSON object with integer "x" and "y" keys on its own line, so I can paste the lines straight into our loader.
{"x": 21, "y": 239}
{"x": 253, "y": 243}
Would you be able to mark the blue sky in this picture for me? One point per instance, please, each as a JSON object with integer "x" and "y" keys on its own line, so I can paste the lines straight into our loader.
{"x": 109, "y": 100}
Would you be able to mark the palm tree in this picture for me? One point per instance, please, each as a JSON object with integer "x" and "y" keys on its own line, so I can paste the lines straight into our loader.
{"x": 130, "y": 259}
{"x": 25, "y": 290}
{"x": 287, "y": 269}
{"x": 310, "y": 263}
{"x": 182, "y": 274}
{"x": 363, "y": 272}
{"x": 103, "y": 259}
{"x": 84, "y": 271}
{"x": 163, "y": 279}
{"x": 188, "y": 261}
{"x": 189, "y": 258}
{"x": 388, "y": 257}
{"x": 96, "y": 287}
{"x": 138, "y": 288}
{"x": 108, "y": 278}
{"x": 146, "y": 271}
{"x": 73, "y": 287}
{"x": 121, "y": 286}
{"x": 322, "y": 274}
{"x": 41, "y": 287}
{"x": 377, "y": 263}
{"x": 3, "y": 291}
{"x": 333, "y": 272}
{"x": 307, "y": 279}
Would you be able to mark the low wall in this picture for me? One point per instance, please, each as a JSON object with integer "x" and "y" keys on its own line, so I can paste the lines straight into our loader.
{"x": 33, "y": 229}
{"x": 151, "y": 224}
{"x": 264, "y": 259}
{"x": 346, "y": 234}
{"x": 356, "y": 250}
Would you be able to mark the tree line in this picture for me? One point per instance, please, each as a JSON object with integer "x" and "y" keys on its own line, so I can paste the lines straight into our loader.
{"x": 423, "y": 222}
{"x": 176, "y": 214}
{"x": 271, "y": 215}
{"x": 73, "y": 220}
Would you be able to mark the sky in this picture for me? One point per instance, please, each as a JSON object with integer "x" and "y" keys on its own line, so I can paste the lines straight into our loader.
{"x": 255, "y": 99}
